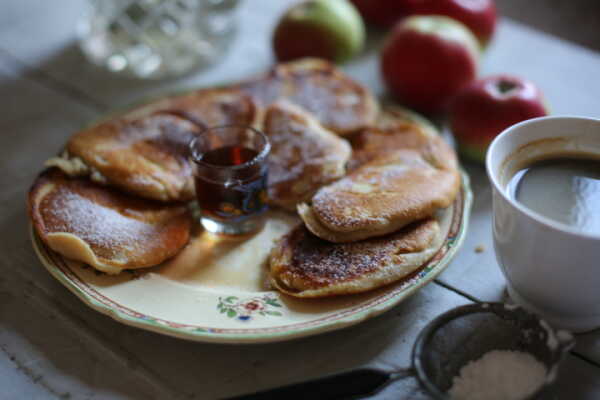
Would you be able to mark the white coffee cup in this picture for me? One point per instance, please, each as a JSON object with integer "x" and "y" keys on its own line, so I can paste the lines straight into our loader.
{"x": 551, "y": 268}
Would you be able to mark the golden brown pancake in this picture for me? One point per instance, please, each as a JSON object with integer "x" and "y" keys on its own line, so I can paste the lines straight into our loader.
{"x": 396, "y": 130}
{"x": 147, "y": 157}
{"x": 338, "y": 102}
{"x": 392, "y": 115}
{"x": 304, "y": 155}
{"x": 204, "y": 107}
{"x": 382, "y": 196}
{"x": 106, "y": 229}
{"x": 304, "y": 265}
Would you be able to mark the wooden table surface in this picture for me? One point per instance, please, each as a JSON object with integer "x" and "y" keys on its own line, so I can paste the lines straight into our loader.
{"x": 53, "y": 346}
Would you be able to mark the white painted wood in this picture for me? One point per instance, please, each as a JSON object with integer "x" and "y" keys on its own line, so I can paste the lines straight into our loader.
{"x": 477, "y": 274}
{"x": 79, "y": 351}
{"x": 16, "y": 383}
{"x": 47, "y": 359}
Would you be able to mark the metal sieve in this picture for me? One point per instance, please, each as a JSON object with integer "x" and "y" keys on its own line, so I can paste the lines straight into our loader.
{"x": 443, "y": 347}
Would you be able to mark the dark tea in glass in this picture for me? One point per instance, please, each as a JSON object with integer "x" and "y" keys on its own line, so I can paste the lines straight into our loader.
{"x": 230, "y": 172}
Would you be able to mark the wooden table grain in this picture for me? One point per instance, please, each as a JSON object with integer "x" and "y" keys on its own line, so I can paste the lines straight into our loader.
{"x": 53, "y": 346}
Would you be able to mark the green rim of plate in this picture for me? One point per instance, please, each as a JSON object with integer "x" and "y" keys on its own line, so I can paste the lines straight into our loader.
{"x": 426, "y": 274}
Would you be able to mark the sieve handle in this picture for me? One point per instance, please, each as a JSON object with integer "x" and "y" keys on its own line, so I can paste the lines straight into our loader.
{"x": 346, "y": 385}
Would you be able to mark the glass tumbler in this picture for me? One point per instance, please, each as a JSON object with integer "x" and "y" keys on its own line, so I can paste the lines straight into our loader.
{"x": 156, "y": 38}
{"x": 230, "y": 173}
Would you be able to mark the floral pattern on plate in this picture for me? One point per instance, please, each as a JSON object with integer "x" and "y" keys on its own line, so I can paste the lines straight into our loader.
{"x": 245, "y": 309}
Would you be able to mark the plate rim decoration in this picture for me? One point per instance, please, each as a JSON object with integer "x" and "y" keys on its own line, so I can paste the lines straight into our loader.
{"x": 390, "y": 297}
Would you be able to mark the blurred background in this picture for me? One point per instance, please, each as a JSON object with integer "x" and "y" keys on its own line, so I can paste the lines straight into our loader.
{"x": 578, "y": 21}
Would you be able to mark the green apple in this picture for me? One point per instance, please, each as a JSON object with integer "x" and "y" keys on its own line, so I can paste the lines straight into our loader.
{"x": 329, "y": 29}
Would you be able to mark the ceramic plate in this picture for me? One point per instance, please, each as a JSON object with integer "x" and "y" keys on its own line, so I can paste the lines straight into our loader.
{"x": 214, "y": 291}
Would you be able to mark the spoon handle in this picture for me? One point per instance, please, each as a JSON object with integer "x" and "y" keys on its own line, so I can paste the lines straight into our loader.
{"x": 346, "y": 385}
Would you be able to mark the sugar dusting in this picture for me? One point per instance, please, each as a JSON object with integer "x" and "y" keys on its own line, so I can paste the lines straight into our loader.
{"x": 324, "y": 261}
{"x": 97, "y": 225}
{"x": 332, "y": 97}
{"x": 499, "y": 375}
{"x": 386, "y": 176}
{"x": 331, "y": 205}
{"x": 300, "y": 146}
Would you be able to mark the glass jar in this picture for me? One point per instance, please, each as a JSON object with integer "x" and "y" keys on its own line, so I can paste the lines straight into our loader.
{"x": 156, "y": 38}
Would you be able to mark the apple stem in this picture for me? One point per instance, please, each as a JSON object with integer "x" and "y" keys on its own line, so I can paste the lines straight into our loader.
{"x": 506, "y": 86}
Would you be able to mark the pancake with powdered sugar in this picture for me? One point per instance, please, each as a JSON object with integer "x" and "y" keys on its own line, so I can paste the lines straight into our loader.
{"x": 204, "y": 107}
{"x": 339, "y": 103}
{"x": 400, "y": 171}
{"x": 148, "y": 157}
{"x": 380, "y": 197}
{"x": 304, "y": 155}
{"x": 145, "y": 151}
{"x": 397, "y": 129}
{"x": 102, "y": 227}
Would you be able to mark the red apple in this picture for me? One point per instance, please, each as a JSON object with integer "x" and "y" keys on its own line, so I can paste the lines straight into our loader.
{"x": 426, "y": 60}
{"x": 478, "y": 15}
{"x": 486, "y": 107}
{"x": 383, "y": 13}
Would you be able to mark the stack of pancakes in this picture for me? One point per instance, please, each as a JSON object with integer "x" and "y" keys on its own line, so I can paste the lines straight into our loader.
{"x": 365, "y": 182}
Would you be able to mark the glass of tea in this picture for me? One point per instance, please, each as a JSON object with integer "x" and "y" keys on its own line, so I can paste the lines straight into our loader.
{"x": 230, "y": 172}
